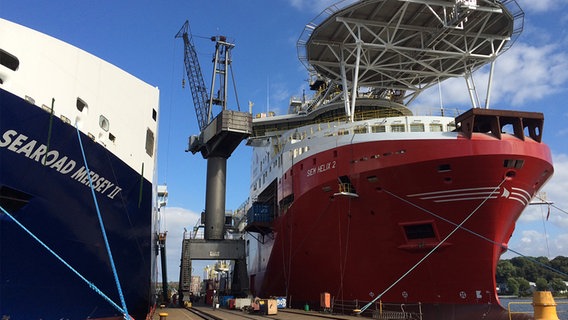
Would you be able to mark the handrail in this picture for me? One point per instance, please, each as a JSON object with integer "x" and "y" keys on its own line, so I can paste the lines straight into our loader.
{"x": 511, "y": 313}
{"x": 517, "y": 312}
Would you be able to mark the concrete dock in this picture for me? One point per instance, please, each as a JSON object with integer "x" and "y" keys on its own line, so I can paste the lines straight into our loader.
{"x": 225, "y": 314}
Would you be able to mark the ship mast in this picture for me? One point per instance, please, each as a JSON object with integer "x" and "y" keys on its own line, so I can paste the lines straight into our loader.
{"x": 399, "y": 48}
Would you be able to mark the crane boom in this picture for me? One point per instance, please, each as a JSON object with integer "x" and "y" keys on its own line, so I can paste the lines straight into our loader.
{"x": 195, "y": 77}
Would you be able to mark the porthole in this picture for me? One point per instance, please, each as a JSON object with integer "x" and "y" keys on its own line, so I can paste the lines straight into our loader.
{"x": 104, "y": 123}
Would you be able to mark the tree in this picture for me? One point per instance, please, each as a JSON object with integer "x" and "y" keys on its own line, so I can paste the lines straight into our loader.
{"x": 524, "y": 287}
{"x": 505, "y": 270}
{"x": 541, "y": 284}
{"x": 558, "y": 285}
{"x": 560, "y": 263}
{"x": 513, "y": 286}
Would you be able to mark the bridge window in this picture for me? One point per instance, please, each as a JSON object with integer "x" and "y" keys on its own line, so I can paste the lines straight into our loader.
{"x": 397, "y": 128}
{"x": 360, "y": 129}
{"x": 378, "y": 128}
{"x": 436, "y": 127}
{"x": 509, "y": 163}
{"x": 416, "y": 127}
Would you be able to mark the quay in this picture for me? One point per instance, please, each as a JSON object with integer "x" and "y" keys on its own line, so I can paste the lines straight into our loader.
{"x": 226, "y": 314}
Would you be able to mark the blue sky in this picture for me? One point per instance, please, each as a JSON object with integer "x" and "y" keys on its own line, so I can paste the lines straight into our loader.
{"x": 138, "y": 36}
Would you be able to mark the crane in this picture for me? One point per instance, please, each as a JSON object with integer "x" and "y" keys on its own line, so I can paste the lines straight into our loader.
{"x": 194, "y": 76}
{"x": 219, "y": 136}
{"x": 202, "y": 101}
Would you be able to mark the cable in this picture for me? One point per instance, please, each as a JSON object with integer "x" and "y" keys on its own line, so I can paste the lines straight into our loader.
{"x": 433, "y": 249}
{"x": 90, "y": 284}
{"x": 109, "y": 252}
{"x": 477, "y": 234}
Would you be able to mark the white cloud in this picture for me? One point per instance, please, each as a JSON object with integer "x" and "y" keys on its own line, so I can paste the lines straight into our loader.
{"x": 537, "y": 72}
{"x": 526, "y": 73}
{"x": 536, "y": 243}
{"x": 541, "y": 5}
{"x": 176, "y": 220}
{"x": 537, "y": 236}
{"x": 315, "y": 6}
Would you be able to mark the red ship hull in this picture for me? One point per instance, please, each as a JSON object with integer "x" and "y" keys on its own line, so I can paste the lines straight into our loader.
{"x": 386, "y": 235}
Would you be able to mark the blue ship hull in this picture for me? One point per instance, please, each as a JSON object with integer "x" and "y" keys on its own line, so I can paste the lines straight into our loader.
{"x": 43, "y": 184}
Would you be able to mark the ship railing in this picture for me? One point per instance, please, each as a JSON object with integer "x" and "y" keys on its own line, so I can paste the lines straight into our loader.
{"x": 526, "y": 307}
{"x": 379, "y": 310}
{"x": 379, "y": 125}
{"x": 518, "y": 303}
{"x": 340, "y": 119}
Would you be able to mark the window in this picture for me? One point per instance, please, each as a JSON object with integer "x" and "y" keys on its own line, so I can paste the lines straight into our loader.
{"x": 360, "y": 129}
{"x": 419, "y": 231}
{"x": 510, "y": 163}
{"x": 150, "y": 142}
{"x": 378, "y": 128}
{"x": 154, "y": 114}
{"x": 104, "y": 123}
{"x": 397, "y": 128}
{"x": 81, "y": 105}
{"x": 416, "y": 127}
{"x": 436, "y": 127}
{"x": 9, "y": 61}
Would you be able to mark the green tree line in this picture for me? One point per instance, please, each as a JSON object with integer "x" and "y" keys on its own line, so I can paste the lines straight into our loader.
{"x": 513, "y": 276}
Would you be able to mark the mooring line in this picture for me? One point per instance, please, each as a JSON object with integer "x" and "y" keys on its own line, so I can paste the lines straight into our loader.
{"x": 107, "y": 245}
{"x": 477, "y": 234}
{"x": 433, "y": 249}
{"x": 90, "y": 284}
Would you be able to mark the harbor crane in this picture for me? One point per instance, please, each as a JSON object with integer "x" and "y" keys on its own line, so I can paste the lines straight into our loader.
{"x": 219, "y": 136}
{"x": 195, "y": 77}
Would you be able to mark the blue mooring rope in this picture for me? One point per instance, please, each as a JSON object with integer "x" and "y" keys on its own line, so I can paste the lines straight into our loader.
{"x": 90, "y": 284}
{"x": 113, "y": 267}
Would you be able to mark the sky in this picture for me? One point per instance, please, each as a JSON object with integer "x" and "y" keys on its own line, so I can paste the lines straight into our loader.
{"x": 138, "y": 36}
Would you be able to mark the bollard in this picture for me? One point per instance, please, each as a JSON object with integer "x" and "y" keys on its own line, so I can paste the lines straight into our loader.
{"x": 163, "y": 315}
{"x": 544, "y": 306}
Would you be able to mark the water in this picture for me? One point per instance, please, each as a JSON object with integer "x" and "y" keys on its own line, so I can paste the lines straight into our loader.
{"x": 561, "y": 308}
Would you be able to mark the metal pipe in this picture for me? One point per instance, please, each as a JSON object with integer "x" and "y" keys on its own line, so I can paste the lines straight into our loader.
{"x": 489, "y": 85}
{"x": 356, "y": 76}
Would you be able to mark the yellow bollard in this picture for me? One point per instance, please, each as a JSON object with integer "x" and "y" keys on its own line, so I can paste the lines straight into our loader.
{"x": 544, "y": 306}
{"x": 163, "y": 315}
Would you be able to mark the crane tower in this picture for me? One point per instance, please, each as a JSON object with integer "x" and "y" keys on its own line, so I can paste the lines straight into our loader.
{"x": 220, "y": 135}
